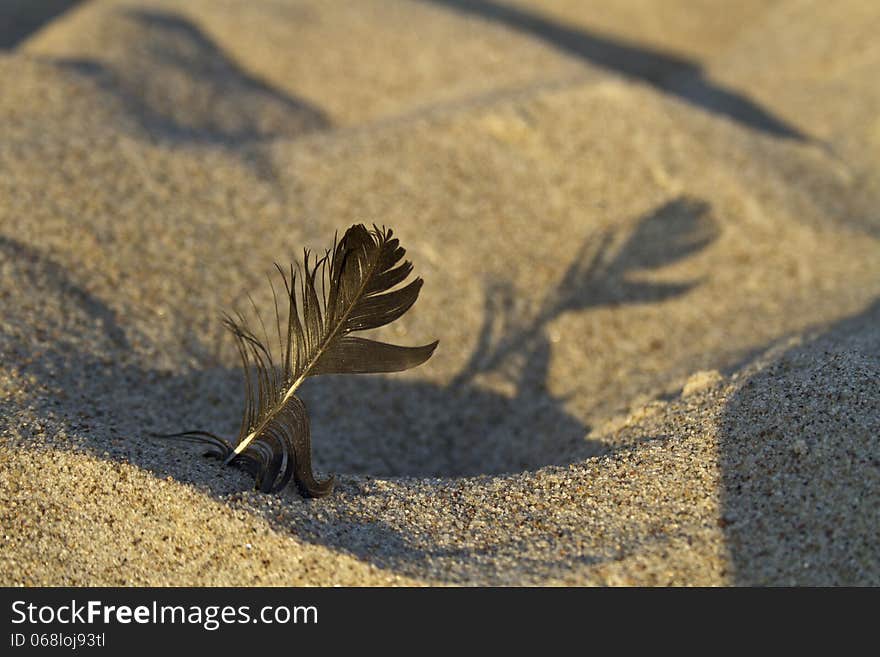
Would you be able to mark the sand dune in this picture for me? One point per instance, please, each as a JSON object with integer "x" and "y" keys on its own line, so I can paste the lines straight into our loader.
{"x": 649, "y": 239}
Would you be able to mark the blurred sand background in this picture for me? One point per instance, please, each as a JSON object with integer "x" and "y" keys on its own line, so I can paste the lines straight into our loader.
{"x": 650, "y": 237}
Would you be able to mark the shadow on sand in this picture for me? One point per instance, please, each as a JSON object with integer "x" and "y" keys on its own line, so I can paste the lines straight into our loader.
{"x": 671, "y": 74}
{"x": 183, "y": 89}
{"x": 21, "y": 18}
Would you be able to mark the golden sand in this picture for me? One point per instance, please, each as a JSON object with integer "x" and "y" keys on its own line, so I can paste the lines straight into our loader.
{"x": 650, "y": 240}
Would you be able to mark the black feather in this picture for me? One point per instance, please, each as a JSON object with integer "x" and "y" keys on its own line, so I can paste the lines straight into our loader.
{"x": 350, "y": 288}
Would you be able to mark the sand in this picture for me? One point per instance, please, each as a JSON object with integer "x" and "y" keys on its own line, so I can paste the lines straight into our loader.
{"x": 651, "y": 250}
